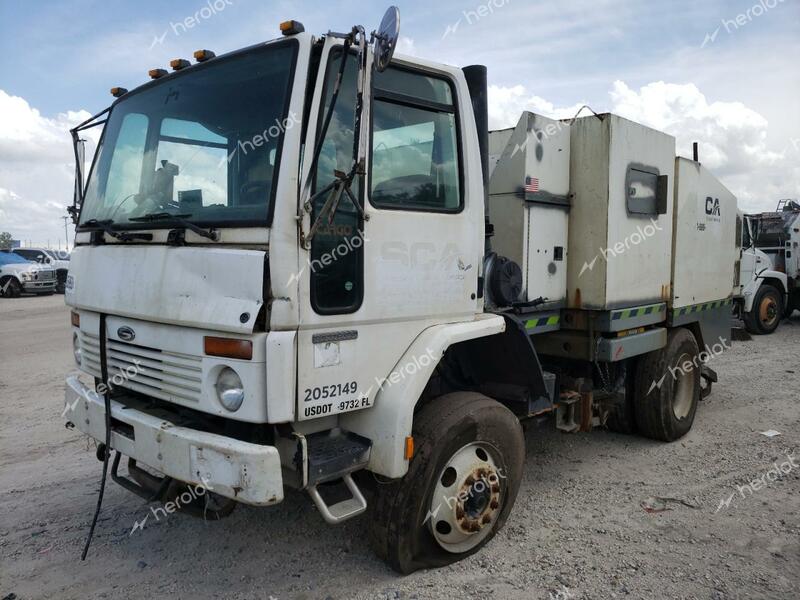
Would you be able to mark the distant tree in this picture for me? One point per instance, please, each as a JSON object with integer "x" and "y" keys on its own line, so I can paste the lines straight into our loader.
{"x": 5, "y": 240}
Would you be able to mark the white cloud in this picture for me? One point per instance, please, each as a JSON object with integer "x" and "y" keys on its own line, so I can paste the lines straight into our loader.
{"x": 507, "y": 103}
{"x": 36, "y": 169}
{"x": 405, "y": 45}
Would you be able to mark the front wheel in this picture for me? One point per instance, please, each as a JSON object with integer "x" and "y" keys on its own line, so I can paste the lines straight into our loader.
{"x": 766, "y": 313}
{"x": 459, "y": 488}
{"x": 10, "y": 287}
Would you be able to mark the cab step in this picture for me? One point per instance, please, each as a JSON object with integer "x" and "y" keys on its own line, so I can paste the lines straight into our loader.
{"x": 331, "y": 458}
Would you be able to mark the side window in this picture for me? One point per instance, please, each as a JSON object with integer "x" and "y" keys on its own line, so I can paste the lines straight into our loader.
{"x": 33, "y": 255}
{"x": 336, "y": 257}
{"x": 415, "y": 161}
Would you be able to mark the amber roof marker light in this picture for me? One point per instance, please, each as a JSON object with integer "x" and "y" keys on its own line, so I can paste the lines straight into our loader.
{"x": 292, "y": 27}
{"x": 203, "y": 55}
{"x": 179, "y": 63}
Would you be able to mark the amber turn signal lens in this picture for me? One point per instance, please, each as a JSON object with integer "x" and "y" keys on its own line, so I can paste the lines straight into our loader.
{"x": 75, "y": 319}
{"x": 291, "y": 27}
{"x": 228, "y": 347}
{"x": 409, "y": 450}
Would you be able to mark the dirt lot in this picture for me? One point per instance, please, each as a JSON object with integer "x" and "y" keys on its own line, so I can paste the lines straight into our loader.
{"x": 578, "y": 529}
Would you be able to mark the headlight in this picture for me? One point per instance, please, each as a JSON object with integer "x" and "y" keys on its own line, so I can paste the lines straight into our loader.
{"x": 229, "y": 389}
{"x": 25, "y": 276}
{"x": 76, "y": 349}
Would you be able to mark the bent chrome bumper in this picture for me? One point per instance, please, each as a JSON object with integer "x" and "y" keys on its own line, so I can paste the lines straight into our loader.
{"x": 37, "y": 287}
{"x": 249, "y": 473}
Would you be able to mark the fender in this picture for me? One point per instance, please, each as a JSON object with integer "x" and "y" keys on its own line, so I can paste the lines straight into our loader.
{"x": 389, "y": 421}
{"x": 752, "y": 287}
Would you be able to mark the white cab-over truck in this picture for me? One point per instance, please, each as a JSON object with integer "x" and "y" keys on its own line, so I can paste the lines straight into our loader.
{"x": 768, "y": 284}
{"x": 309, "y": 259}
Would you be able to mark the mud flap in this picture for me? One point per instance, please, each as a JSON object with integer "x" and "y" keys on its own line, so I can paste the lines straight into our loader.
{"x": 709, "y": 377}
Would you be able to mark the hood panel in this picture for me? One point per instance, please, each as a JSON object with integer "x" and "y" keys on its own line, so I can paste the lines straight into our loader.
{"x": 195, "y": 287}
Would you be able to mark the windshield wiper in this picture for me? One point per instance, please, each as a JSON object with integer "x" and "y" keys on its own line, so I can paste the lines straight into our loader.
{"x": 105, "y": 227}
{"x": 180, "y": 219}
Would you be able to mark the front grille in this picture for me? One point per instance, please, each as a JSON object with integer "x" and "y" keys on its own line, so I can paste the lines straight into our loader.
{"x": 45, "y": 275}
{"x": 165, "y": 375}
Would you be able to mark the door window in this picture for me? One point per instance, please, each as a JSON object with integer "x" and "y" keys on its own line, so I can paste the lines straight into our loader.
{"x": 415, "y": 158}
{"x": 336, "y": 249}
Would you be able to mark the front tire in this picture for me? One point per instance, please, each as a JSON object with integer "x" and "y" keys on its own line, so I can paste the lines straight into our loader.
{"x": 459, "y": 488}
{"x": 10, "y": 287}
{"x": 668, "y": 388}
{"x": 766, "y": 313}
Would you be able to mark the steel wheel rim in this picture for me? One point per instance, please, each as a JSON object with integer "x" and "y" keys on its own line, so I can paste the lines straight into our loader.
{"x": 683, "y": 393}
{"x": 768, "y": 311}
{"x": 467, "y": 498}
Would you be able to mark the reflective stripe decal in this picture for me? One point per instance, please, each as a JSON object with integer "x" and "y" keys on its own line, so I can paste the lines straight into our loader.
{"x": 640, "y": 311}
{"x": 543, "y": 322}
{"x": 696, "y": 308}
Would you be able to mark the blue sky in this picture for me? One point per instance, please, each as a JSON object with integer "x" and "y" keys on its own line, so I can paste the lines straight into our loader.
{"x": 737, "y": 94}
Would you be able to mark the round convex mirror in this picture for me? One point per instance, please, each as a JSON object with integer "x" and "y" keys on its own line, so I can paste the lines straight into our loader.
{"x": 386, "y": 38}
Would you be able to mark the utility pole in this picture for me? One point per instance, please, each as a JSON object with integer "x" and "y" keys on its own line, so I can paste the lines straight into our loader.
{"x": 66, "y": 235}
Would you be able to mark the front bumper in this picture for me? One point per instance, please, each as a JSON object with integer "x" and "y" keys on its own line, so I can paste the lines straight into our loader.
{"x": 37, "y": 287}
{"x": 249, "y": 473}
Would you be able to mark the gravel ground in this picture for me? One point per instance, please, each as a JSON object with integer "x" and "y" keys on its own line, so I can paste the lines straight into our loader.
{"x": 578, "y": 529}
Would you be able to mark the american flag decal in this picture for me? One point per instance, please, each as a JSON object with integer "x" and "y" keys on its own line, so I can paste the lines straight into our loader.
{"x": 531, "y": 184}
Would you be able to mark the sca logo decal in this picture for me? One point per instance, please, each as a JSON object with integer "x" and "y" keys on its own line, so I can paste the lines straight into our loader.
{"x": 712, "y": 207}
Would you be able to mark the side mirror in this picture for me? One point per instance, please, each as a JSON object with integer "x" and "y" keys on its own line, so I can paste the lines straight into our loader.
{"x": 80, "y": 162}
{"x": 386, "y": 38}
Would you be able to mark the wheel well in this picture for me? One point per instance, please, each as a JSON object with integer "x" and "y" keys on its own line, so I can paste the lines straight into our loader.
{"x": 502, "y": 366}
{"x": 776, "y": 283}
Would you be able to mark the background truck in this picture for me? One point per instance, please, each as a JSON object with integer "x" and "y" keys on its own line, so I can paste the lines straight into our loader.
{"x": 19, "y": 275}
{"x": 310, "y": 259}
{"x": 55, "y": 259}
{"x": 768, "y": 284}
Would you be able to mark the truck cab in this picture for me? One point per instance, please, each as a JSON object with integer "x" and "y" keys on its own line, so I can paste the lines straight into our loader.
{"x": 762, "y": 288}
{"x": 224, "y": 270}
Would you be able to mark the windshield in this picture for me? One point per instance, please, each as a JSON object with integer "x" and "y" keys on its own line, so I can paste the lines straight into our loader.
{"x": 204, "y": 143}
{"x": 9, "y": 258}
